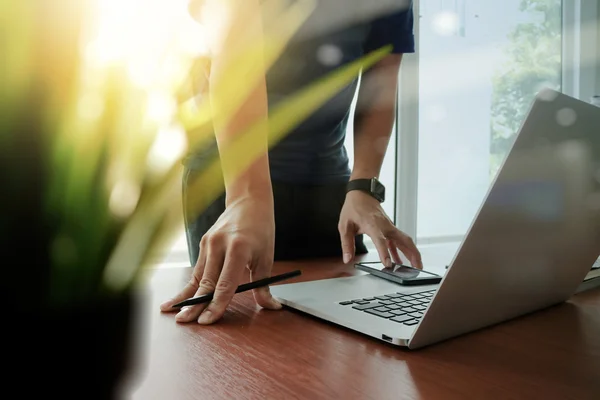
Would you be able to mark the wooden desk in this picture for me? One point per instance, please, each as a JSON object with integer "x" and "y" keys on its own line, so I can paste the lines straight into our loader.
{"x": 260, "y": 354}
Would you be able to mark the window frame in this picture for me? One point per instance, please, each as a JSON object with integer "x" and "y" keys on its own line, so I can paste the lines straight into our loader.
{"x": 580, "y": 48}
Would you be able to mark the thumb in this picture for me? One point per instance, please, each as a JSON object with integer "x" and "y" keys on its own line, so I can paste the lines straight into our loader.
{"x": 262, "y": 295}
{"x": 347, "y": 238}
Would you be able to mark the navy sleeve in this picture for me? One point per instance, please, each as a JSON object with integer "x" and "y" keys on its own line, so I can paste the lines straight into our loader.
{"x": 393, "y": 29}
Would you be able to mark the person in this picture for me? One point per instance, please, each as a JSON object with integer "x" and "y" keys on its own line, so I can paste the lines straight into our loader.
{"x": 298, "y": 199}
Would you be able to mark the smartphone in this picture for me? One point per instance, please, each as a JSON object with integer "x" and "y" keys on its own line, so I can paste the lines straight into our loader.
{"x": 402, "y": 274}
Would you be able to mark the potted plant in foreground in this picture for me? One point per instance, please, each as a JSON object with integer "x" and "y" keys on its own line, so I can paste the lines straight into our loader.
{"x": 87, "y": 110}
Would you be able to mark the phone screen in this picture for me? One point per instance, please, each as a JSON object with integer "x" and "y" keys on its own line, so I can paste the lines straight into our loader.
{"x": 403, "y": 272}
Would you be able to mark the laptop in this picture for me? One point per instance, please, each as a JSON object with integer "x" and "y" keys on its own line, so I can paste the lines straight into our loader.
{"x": 532, "y": 242}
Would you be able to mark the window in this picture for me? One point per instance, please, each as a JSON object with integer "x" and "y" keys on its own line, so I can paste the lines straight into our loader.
{"x": 474, "y": 91}
{"x": 463, "y": 97}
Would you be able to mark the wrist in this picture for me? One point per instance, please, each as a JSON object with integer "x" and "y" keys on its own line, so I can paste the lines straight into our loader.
{"x": 364, "y": 173}
{"x": 359, "y": 194}
{"x": 253, "y": 183}
{"x": 262, "y": 193}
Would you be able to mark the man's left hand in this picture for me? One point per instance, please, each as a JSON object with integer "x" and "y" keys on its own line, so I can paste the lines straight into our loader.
{"x": 362, "y": 214}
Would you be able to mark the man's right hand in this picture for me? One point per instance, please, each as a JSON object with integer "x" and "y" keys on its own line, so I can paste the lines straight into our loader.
{"x": 243, "y": 236}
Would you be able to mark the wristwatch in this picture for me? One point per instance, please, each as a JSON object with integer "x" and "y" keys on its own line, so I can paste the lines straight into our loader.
{"x": 371, "y": 186}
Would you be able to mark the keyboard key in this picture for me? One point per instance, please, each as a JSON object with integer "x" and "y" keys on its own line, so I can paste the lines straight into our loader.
{"x": 414, "y": 302}
{"x": 413, "y": 322}
{"x": 416, "y": 315}
{"x": 409, "y": 309}
{"x": 398, "y": 300}
{"x": 401, "y": 318}
{"x": 393, "y": 307}
{"x": 382, "y": 309}
{"x": 393, "y": 295}
{"x": 365, "y": 306}
{"x": 369, "y": 299}
{"x": 382, "y": 298}
{"x": 386, "y": 302}
{"x": 398, "y": 312}
{"x": 380, "y": 313}
{"x": 345, "y": 303}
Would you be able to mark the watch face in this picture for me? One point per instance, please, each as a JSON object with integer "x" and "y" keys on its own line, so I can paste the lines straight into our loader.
{"x": 378, "y": 190}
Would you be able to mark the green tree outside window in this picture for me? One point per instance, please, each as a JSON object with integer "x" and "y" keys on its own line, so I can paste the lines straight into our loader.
{"x": 534, "y": 61}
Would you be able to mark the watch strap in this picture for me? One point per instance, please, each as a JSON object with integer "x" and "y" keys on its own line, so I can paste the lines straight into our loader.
{"x": 371, "y": 186}
{"x": 359, "y": 184}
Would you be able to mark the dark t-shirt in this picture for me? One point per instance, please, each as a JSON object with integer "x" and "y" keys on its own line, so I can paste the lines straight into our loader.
{"x": 313, "y": 152}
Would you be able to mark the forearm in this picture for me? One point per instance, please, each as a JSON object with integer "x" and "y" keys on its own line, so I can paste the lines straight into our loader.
{"x": 374, "y": 117}
{"x": 245, "y": 168}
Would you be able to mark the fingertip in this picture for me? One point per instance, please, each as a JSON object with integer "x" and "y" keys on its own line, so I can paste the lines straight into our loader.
{"x": 347, "y": 257}
{"x": 275, "y": 305}
{"x": 206, "y": 318}
{"x": 265, "y": 300}
{"x": 213, "y": 312}
{"x": 167, "y": 306}
{"x": 184, "y": 315}
{"x": 417, "y": 263}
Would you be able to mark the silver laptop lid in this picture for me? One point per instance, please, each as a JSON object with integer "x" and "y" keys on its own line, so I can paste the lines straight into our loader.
{"x": 537, "y": 232}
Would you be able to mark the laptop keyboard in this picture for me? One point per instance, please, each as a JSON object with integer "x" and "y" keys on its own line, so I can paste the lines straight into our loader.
{"x": 403, "y": 308}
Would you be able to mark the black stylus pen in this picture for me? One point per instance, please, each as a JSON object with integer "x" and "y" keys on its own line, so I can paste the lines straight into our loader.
{"x": 205, "y": 298}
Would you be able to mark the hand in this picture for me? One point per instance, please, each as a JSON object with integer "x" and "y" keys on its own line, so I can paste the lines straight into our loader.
{"x": 243, "y": 236}
{"x": 362, "y": 213}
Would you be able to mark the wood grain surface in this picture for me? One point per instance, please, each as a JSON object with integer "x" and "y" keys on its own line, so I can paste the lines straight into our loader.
{"x": 260, "y": 354}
